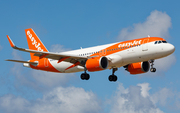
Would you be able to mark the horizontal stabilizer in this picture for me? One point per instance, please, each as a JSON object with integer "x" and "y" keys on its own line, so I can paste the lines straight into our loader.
{"x": 22, "y": 61}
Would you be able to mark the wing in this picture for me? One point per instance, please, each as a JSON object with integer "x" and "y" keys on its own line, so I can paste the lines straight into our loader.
{"x": 56, "y": 56}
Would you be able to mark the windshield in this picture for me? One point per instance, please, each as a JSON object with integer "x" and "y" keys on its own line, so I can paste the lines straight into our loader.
{"x": 160, "y": 41}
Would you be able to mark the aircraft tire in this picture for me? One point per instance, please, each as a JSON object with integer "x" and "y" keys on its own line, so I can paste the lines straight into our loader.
{"x": 85, "y": 76}
{"x": 112, "y": 78}
{"x": 153, "y": 69}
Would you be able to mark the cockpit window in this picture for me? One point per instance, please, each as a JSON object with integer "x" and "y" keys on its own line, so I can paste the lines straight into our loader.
{"x": 164, "y": 41}
{"x": 158, "y": 42}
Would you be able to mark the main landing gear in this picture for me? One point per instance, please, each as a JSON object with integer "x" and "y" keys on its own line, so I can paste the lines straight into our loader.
{"x": 85, "y": 76}
{"x": 152, "y": 68}
{"x": 113, "y": 78}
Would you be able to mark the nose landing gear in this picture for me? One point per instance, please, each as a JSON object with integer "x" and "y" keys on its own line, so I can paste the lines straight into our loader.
{"x": 152, "y": 68}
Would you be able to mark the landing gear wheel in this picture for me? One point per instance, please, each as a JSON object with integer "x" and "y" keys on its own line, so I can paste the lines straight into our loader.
{"x": 112, "y": 78}
{"x": 82, "y": 76}
{"x": 153, "y": 69}
{"x": 85, "y": 76}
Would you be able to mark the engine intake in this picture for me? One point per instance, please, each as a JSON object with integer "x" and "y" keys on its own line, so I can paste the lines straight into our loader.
{"x": 97, "y": 63}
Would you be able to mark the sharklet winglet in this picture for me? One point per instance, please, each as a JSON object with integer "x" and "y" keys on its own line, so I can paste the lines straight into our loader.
{"x": 11, "y": 42}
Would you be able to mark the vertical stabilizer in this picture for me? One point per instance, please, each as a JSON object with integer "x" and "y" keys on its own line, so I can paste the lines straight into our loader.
{"x": 34, "y": 42}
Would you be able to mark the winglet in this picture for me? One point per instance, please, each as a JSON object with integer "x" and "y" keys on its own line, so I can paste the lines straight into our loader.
{"x": 10, "y": 41}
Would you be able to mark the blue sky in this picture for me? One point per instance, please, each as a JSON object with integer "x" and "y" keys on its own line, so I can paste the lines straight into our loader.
{"x": 68, "y": 25}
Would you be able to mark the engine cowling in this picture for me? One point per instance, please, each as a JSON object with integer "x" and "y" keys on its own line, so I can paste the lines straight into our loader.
{"x": 97, "y": 63}
{"x": 138, "y": 68}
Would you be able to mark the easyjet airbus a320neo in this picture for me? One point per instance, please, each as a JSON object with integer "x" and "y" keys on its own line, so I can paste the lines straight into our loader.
{"x": 136, "y": 56}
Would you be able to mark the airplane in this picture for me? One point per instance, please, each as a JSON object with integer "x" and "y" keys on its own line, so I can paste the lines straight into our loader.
{"x": 136, "y": 56}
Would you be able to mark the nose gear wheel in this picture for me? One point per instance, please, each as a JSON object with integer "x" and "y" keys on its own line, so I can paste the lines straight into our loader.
{"x": 152, "y": 68}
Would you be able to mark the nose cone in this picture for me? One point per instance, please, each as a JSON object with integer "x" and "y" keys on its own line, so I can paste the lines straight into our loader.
{"x": 169, "y": 48}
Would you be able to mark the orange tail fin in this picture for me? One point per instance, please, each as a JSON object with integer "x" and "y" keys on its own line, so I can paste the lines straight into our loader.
{"x": 34, "y": 42}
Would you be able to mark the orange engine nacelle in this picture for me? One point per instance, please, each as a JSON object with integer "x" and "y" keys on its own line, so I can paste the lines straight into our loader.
{"x": 138, "y": 68}
{"x": 97, "y": 63}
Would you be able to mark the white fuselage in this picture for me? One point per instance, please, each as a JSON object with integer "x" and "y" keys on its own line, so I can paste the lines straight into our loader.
{"x": 144, "y": 52}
